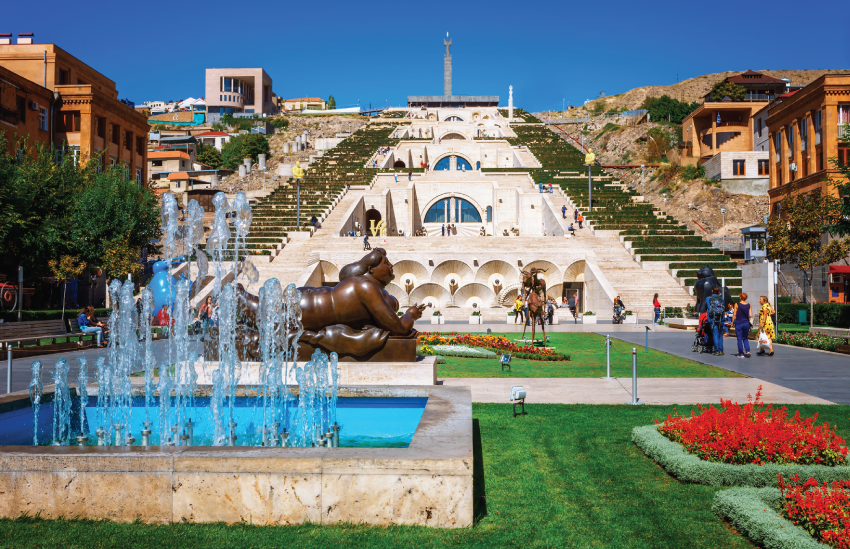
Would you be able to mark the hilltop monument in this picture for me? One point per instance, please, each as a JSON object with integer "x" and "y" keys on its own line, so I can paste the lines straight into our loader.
{"x": 447, "y": 68}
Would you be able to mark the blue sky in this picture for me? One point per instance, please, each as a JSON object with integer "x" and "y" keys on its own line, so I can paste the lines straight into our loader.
{"x": 381, "y": 52}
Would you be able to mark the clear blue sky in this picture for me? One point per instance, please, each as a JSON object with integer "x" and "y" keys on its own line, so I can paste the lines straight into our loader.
{"x": 383, "y": 52}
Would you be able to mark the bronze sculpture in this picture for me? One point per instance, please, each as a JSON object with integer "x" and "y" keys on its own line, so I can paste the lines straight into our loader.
{"x": 706, "y": 282}
{"x": 534, "y": 291}
{"x": 357, "y": 318}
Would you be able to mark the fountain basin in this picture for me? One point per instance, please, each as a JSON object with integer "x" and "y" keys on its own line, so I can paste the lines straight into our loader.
{"x": 428, "y": 483}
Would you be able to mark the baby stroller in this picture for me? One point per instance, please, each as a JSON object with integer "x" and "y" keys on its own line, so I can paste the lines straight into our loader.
{"x": 619, "y": 317}
{"x": 703, "y": 341}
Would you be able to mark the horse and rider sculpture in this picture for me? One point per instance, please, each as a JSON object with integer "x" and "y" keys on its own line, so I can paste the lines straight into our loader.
{"x": 533, "y": 291}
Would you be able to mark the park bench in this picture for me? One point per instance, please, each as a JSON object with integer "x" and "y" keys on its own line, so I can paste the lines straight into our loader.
{"x": 16, "y": 334}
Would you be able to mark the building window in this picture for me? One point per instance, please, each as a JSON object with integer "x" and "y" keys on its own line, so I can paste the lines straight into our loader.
{"x": 489, "y": 214}
{"x": 804, "y": 134}
{"x": 764, "y": 167}
{"x": 156, "y": 163}
{"x": 178, "y": 185}
{"x": 68, "y": 121}
{"x": 22, "y": 109}
{"x": 790, "y": 137}
{"x": 739, "y": 168}
{"x": 139, "y": 175}
{"x": 818, "y": 124}
{"x": 116, "y": 129}
{"x": 777, "y": 143}
{"x": 758, "y": 131}
{"x": 42, "y": 118}
{"x": 101, "y": 127}
{"x": 64, "y": 77}
{"x": 140, "y": 146}
{"x": 227, "y": 84}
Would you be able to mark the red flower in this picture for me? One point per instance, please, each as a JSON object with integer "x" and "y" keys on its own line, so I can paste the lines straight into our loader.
{"x": 821, "y": 510}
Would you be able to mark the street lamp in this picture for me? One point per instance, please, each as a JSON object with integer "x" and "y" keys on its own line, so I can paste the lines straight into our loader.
{"x": 723, "y": 211}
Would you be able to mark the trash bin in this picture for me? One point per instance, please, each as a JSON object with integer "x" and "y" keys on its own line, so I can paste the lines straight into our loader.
{"x": 801, "y": 316}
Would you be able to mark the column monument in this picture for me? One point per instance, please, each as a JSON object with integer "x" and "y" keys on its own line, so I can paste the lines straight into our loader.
{"x": 447, "y": 69}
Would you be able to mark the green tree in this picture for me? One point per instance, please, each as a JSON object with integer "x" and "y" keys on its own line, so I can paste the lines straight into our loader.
{"x": 658, "y": 142}
{"x": 797, "y": 236}
{"x": 209, "y": 155}
{"x": 280, "y": 123}
{"x": 331, "y": 102}
{"x": 724, "y": 89}
{"x": 598, "y": 106}
{"x": 113, "y": 214}
{"x": 842, "y": 186}
{"x": 667, "y": 108}
{"x": 243, "y": 146}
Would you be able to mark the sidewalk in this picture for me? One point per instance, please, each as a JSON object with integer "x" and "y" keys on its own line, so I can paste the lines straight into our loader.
{"x": 619, "y": 391}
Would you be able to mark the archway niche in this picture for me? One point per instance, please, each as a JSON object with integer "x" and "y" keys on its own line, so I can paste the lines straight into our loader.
{"x": 399, "y": 164}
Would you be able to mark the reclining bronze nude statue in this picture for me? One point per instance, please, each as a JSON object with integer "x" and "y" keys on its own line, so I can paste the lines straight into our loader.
{"x": 357, "y": 318}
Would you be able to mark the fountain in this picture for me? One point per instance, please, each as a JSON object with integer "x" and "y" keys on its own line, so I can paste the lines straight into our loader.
{"x": 268, "y": 385}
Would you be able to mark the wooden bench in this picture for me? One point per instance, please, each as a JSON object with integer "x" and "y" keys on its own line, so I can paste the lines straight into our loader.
{"x": 15, "y": 334}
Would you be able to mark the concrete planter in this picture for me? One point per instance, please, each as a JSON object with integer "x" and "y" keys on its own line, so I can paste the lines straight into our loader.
{"x": 588, "y": 319}
{"x": 630, "y": 319}
{"x": 475, "y": 319}
{"x": 437, "y": 320}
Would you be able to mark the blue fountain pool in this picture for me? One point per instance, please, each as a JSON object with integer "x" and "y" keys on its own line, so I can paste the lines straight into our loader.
{"x": 369, "y": 422}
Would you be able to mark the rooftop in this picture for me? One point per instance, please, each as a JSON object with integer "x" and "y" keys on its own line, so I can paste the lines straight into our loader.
{"x": 304, "y": 99}
{"x": 753, "y": 77}
{"x": 167, "y": 155}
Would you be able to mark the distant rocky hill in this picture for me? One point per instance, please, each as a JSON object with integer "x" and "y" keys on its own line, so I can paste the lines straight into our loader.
{"x": 695, "y": 88}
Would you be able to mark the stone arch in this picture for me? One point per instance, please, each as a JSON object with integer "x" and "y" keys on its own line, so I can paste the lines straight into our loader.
{"x": 475, "y": 295}
{"x": 481, "y": 211}
{"x": 434, "y": 294}
{"x": 330, "y": 273}
{"x": 453, "y": 118}
{"x": 497, "y": 275}
{"x": 508, "y": 295}
{"x": 452, "y": 269}
{"x": 552, "y": 274}
{"x": 399, "y": 164}
{"x": 397, "y": 292}
{"x": 453, "y": 135}
{"x": 575, "y": 272}
{"x": 450, "y": 154}
{"x": 372, "y": 214}
{"x": 410, "y": 271}
{"x": 432, "y": 117}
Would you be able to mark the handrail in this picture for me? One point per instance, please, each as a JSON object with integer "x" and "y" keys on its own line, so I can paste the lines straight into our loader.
{"x": 562, "y": 130}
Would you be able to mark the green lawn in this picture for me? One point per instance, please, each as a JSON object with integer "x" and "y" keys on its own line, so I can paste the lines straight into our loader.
{"x": 793, "y": 328}
{"x": 561, "y": 476}
{"x": 587, "y": 359}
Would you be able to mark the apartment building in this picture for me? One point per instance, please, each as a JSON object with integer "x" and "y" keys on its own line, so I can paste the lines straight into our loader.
{"x": 300, "y": 103}
{"x": 805, "y": 126}
{"x": 87, "y": 118}
{"x": 231, "y": 91}
{"x": 24, "y": 111}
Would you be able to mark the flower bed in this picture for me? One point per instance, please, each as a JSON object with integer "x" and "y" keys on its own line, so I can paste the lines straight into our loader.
{"x": 755, "y": 433}
{"x": 822, "y": 510}
{"x": 809, "y": 340}
{"x": 753, "y": 513}
{"x": 496, "y": 344}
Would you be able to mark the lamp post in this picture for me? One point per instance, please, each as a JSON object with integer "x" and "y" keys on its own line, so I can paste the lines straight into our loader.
{"x": 641, "y": 181}
{"x": 723, "y": 212}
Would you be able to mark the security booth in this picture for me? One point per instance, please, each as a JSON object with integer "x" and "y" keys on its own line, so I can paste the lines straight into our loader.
{"x": 754, "y": 243}
{"x": 839, "y": 283}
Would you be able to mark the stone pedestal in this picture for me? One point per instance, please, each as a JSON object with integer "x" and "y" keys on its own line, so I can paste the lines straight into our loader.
{"x": 262, "y": 161}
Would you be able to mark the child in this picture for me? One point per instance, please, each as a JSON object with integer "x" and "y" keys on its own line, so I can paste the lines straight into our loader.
{"x": 730, "y": 311}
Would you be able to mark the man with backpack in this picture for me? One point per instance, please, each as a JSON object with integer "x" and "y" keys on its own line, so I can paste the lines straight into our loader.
{"x": 716, "y": 313}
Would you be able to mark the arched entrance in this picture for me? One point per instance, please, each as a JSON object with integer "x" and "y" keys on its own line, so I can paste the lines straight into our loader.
{"x": 443, "y": 164}
{"x": 399, "y": 164}
{"x": 463, "y": 164}
{"x": 452, "y": 135}
{"x": 372, "y": 215}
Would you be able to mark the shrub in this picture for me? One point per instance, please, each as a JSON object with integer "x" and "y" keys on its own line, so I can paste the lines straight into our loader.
{"x": 689, "y": 173}
{"x": 243, "y": 146}
{"x": 755, "y": 433}
{"x": 461, "y": 351}
{"x": 809, "y": 340}
{"x": 826, "y": 314}
{"x": 822, "y": 510}
{"x": 280, "y": 123}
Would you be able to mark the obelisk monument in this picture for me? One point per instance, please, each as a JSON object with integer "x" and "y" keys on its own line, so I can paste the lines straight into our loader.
{"x": 447, "y": 69}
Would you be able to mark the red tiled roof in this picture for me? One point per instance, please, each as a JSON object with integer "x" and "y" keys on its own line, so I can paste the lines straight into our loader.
{"x": 168, "y": 154}
{"x": 789, "y": 94}
{"x": 753, "y": 77}
{"x": 178, "y": 175}
{"x": 212, "y": 134}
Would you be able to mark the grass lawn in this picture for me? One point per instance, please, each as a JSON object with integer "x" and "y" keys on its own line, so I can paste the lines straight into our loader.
{"x": 561, "y": 476}
{"x": 793, "y": 328}
{"x": 587, "y": 359}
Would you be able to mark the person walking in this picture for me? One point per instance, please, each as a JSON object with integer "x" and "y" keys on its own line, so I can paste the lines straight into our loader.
{"x": 575, "y": 215}
{"x": 518, "y": 310}
{"x": 715, "y": 320}
{"x": 366, "y": 245}
{"x": 743, "y": 318}
{"x": 766, "y": 323}
{"x": 443, "y": 230}
{"x": 580, "y": 220}
{"x": 564, "y": 211}
{"x": 571, "y": 303}
{"x": 657, "y": 306}
{"x": 410, "y": 176}
{"x": 395, "y": 176}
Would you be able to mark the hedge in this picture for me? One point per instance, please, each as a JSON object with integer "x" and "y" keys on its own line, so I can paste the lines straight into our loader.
{"x": 462, "y": 351}
{"x": 686, "y": 467}
{"x": 754, "y": 512}
{"x": 826, "y": 314}
{"x": 33, "y": 316}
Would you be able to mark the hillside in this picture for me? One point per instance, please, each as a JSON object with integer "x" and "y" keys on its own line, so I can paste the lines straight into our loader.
{"x": 695, "y": 88}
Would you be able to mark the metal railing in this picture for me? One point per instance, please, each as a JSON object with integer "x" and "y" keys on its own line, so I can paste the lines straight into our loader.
{"x": 734, "y": 243}
{"x": 792, "y": 289}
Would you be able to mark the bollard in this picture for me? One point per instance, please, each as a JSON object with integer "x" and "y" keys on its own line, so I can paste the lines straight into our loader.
{"x": 146, "y": 433}
{"x": 634, "y": 401}
{"x": 119, "y": 428}
{"x": 608, "y": 357}
{"x": 637, "y": 320}
{"x": 9, "y": 371}
{"x": 646, "y": 346}
{"x": 101, "y": 436}
{"x": 335, "y": 428}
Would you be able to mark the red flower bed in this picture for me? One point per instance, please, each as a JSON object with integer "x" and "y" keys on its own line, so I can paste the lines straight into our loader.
{"x": 755, "y": 433}
{"x": 500, "y": 343}
{"x": 821, "y": 510}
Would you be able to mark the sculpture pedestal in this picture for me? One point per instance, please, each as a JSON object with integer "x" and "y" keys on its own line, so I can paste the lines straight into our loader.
{"x": 395, "y": 350}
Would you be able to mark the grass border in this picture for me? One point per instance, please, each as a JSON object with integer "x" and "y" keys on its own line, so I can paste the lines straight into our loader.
{"x": 753, "y": 512}
{"x": 685, "y": 467}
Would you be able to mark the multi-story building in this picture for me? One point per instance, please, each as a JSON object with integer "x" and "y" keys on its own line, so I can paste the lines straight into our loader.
{"x": 231, "y": 91}
{"x": 805, "y": 126}
{"x": 24, "y": 111}
{"x": 214, "y": 138}
{"x": 88, "y": 118}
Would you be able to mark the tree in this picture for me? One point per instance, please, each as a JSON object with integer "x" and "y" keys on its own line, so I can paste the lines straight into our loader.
{"x": 209, "y": 155}
{"x": 657, "y": 144}
{"x": 68, "y": 267}
{"x": 598, "y": 106}
{"x": 243, "y": 146}
{"x": 842, "y": 226}
{"x": 667, "y": 108}
{"x": 724, "y": 89}
{"x": 331, "y": 102}
{"x": 798, "y": 236}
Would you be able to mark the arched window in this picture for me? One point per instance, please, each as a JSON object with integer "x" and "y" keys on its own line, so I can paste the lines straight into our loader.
{"x": 443, "y": 164}
{"x": 454, "y": 118}
{"x": 489, "y": 214}
{"x": 464, "y": 212}
{"x": 478, "y": 165}
{"x": 463, "y": 164}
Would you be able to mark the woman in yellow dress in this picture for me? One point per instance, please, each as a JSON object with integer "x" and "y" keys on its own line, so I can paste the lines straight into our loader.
{"x": 766, "y": 323}
{"x": 518, "y": 310}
